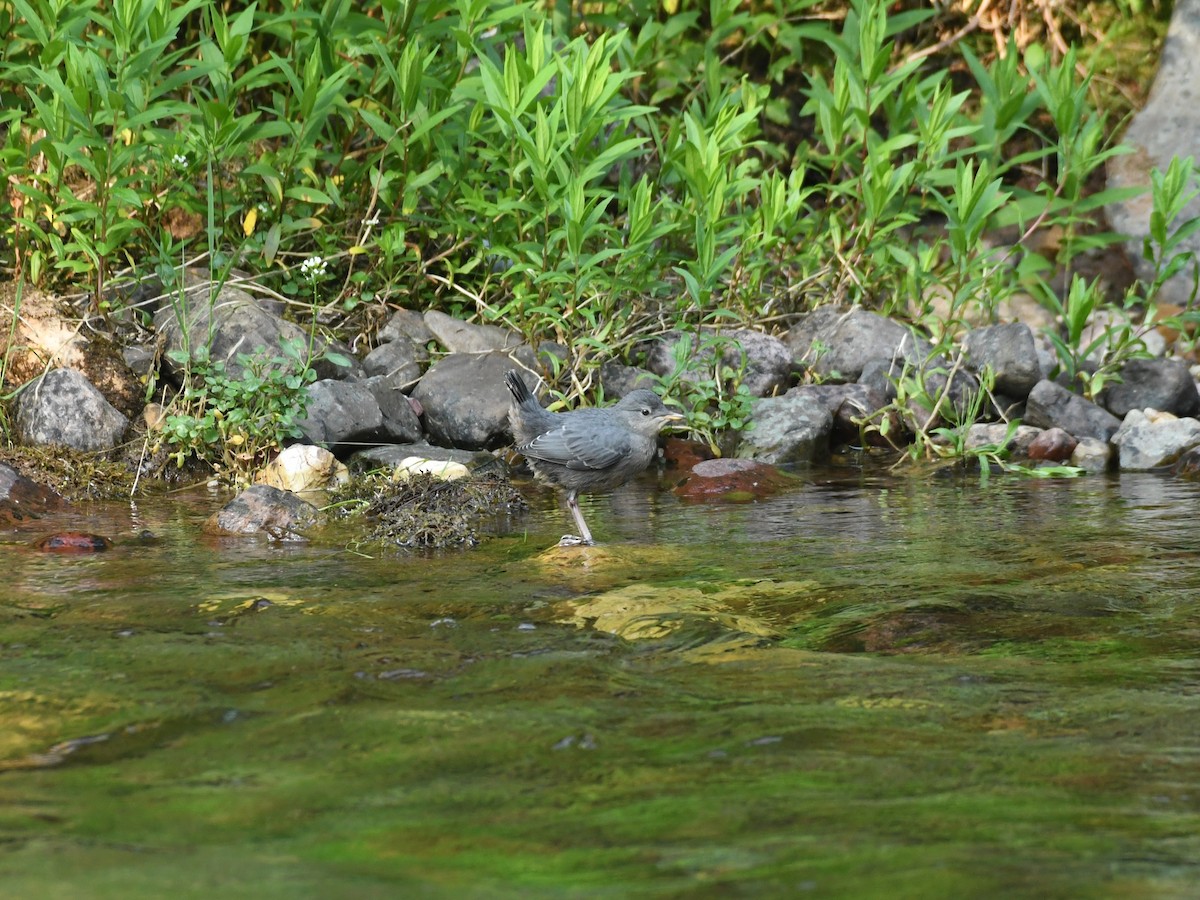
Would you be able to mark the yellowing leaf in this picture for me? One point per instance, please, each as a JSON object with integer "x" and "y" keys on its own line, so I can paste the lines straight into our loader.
{"x": 670, "y": 7}
{"x": 250, "y": 221}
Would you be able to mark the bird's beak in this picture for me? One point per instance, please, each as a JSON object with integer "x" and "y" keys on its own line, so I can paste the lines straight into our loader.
{"x": 673, "y": 416}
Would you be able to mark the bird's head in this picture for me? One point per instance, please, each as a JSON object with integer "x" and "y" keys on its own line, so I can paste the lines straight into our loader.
{"x": 646, "y": 413}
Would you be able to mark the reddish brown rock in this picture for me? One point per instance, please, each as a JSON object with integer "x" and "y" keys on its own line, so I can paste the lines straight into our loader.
{"x": 731, "y": 479}
{"x": 72, "y": 542}
{"x": 683, "y": 454}
{"x": 1053, "y": 444}
{"x": 21, "y": 498}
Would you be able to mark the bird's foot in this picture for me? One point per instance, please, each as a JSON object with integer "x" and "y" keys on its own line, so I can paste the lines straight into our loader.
{"x": 574, "y": 540}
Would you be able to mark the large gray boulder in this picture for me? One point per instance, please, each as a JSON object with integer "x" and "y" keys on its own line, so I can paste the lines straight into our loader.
{"x": 458, "y": 336}
{"x": 1167, "y": 127}
{"x": 1011, "y": 354}
{"x": 837, "y": 343}
{"x": 764, "y": 361}
{"x": 340, "y": 413}
{"x": 1162, "y": 384}
{"x": 233, "y": 323}
{"x": 62, "y": 408}
{"x": 794, "y": 428}
{"x": 400, "y": 361}
{"x": 1051, "y": 405}
{"x": 465, "y": 401}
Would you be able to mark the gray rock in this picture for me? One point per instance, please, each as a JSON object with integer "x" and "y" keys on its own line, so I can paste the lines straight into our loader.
{"x": 233, "y": 324}
{"x": 617, "y": 380}
{"x": 1092, "y": 455}
{"x": 465, "y": 400}
{"x": 400, "y": 421}
{"x": 466, "y": 337}
{"x": 341, "y": 412}
{"x": 838, "y": 343}
{"x": 846, "y": 403}
{"x": 794, "y": 428}
{"x": 400, "y": 361}
{"x": 262, "y": 508}
{"x": 388, "y": 456}
{"x": 1167, "y": 127}
{"x": 1145, "y": 442}
{"x": 1010, "y": 352}
{"x": 764, "y": 361}
{"x": 1052, "y": 406}
{"x": 995, "y": 434}
{"x": 406, "y": 324}
{"x": 63, "y": 409}
{"x": 1163, "y": 384}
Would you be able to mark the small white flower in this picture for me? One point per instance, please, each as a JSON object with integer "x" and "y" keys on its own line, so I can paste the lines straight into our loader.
{"x": 180, "y": 160}
{"x": 264, "y": 207}
{"x": 371, "y": 222}
{"x": 313, "y": 267}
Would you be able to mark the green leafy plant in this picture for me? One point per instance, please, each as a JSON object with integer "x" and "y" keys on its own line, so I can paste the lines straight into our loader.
{"x": 234, "y": 422}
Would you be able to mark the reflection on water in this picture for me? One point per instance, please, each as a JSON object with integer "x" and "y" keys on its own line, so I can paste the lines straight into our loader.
{"x": 868, "y": 686}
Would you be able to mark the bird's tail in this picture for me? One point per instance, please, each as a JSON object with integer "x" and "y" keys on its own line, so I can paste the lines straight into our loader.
{"x": 517, "y": 387}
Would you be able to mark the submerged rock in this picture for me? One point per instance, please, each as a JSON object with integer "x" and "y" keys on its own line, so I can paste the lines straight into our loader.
{"x": 731, "y": 479}
{"x": 262, "y": 508}
{"x": 72, "y": 542}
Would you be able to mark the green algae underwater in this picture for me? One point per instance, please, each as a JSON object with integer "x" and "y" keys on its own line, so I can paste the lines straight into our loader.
{"x": 867, "y": 686}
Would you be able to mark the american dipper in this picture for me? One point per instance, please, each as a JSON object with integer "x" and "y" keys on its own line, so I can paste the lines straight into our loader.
{"x": 588, "y": 449}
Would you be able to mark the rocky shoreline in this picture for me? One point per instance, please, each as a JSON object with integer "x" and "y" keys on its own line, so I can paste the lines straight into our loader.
{"x": 819, "y": 385}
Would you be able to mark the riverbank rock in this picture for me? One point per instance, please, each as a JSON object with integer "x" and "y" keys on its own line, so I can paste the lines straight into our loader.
{"x": 837, "y": 343}
{"x": 1168, "y": 126}
{"x": 1052, "y": 406}
{"x": 264, "y": 509}
{"x": 996, "y": 434}
{"x": 1148, "y": 439}
{"x": 399, "y": 362}
{"x": 794, "y": 428}
{"x": 1011, "y": 354}
{"x": 1162, "y": 384}
{"x": 764, "y": 361}
{"x": 303, "y": 467}
{"x": 458, "y": 336}
{"x": 22, "y": 498}
{"x": 1092, "y": 455}
{"x": 63, "y": 408}
{"x": 393, "y": 456}
{"x": 234, "y": 323}
{"x": 341, "y": 414}
{"x": 465, "y": 400}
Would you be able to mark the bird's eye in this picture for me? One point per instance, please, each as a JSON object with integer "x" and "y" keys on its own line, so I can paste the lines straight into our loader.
{"x": 645, "y": 410}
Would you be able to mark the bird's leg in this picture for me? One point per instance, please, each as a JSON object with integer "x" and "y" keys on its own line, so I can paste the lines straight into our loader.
{"x": 584, "y": 536}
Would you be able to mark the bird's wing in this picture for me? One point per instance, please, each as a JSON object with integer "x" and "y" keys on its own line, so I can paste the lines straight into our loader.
{"x": 577, "y": 446}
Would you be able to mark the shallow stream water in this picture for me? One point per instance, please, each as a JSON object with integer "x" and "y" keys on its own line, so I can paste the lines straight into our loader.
{"x": 868, "y": 686}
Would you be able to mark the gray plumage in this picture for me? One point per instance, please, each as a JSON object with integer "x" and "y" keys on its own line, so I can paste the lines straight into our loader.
{"x": 587, "y": 449}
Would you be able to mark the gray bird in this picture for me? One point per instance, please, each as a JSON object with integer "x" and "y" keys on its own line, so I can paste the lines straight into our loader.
{"x": 588, "y": 449}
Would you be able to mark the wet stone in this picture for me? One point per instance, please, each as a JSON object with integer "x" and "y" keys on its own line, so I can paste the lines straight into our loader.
{"x": 1053, "y": 444}
{"x": 262, "y": 508}
{"x": 72, "y": 542}
{"x": 731, "y": 479}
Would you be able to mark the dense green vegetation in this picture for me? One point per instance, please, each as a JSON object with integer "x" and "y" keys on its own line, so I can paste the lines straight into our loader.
{"x": 589, "y": 174}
